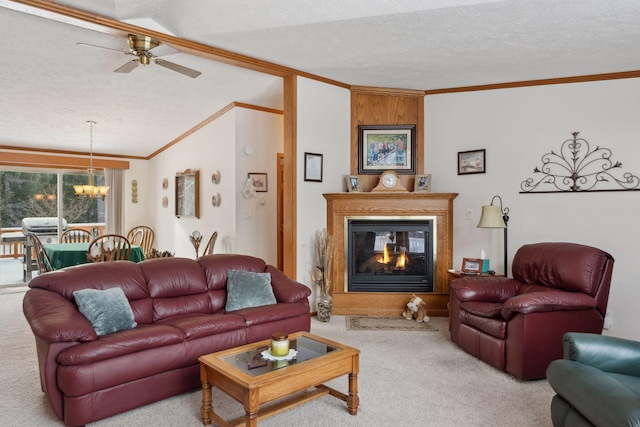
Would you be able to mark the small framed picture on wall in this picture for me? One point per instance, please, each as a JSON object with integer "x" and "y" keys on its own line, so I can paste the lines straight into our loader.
{"x": 471, "y": 162}
{"x": 313, "y": 167}
{"x": 258, "y": 181}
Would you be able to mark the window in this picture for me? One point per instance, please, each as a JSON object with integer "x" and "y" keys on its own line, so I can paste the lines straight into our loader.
{"x": 34, "y": 194}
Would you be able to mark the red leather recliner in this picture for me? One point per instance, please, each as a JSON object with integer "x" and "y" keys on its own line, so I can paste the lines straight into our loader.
{"x": 516, "y": 325}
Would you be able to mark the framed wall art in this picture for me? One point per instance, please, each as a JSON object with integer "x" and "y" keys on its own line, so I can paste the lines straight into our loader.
{"x": 422, "y": 184}
{"x": 188, "y": 193}
{"x": 471, "y": 162}
{"x": 258, "y": 181}
{"x": 386, "y": 147}
{"x": 313, "y": 167}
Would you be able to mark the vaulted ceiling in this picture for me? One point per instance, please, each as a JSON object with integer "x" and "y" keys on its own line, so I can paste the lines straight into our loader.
{"x": 50, "y": 86}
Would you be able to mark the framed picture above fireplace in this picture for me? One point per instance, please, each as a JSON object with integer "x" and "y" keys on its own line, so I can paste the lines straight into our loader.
{"x": 386, "y": 147}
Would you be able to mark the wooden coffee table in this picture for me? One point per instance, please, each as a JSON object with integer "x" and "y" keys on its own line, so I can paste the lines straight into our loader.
{"x": 243, "y": 374}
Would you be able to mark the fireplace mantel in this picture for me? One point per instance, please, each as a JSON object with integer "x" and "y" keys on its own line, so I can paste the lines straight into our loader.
{"x": 343, "y": 206}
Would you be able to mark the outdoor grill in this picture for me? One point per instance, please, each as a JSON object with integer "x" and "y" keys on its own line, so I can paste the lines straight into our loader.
{"x": 46, "y": 229}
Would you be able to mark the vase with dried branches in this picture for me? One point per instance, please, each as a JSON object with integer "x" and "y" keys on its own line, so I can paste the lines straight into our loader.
{"x": 321, "y": 273}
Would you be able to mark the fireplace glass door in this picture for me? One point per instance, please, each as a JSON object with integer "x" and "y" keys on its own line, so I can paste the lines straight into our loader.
{"x": 390, "y": 256}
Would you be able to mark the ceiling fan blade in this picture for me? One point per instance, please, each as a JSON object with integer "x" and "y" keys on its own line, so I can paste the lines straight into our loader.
{"x": 103, "y": 47}
{"x": 163, "y": 50}
{"x": 179, "y": 68}
{"x": 128, "y": 67}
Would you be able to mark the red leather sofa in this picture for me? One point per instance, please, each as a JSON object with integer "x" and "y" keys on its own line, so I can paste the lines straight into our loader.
{"x": 517, "y": 325}
{"x": 179, "y": 308}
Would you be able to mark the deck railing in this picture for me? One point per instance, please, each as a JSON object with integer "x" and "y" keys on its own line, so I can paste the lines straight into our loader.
{"x": 14, "y": 248}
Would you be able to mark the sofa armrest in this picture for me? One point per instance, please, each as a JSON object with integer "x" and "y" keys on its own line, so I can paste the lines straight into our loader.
{"x": 53, "y": 318}
{"x": 597, "y": 396}
{"x": 541, "y": 302}
{"x": 484, "y": 289}
{"x": 610, "y": 354}
{"x": 286, "y": 289}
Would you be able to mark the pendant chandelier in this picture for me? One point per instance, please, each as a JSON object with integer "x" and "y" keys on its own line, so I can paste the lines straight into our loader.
{"x": 91, "y": 191}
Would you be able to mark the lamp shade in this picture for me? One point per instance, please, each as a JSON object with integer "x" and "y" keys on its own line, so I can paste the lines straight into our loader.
{"x": 491, "y": 218}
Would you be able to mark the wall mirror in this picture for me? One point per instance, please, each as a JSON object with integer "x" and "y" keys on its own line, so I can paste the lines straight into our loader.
{"x": 188, "y": 193}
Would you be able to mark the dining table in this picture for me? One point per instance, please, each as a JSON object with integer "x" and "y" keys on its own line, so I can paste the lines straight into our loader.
{"x": 68, "y": 254}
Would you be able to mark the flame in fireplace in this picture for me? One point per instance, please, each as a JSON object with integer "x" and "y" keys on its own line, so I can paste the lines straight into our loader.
{"x": 384, "y": 259}
{"x": 402, "y": 260}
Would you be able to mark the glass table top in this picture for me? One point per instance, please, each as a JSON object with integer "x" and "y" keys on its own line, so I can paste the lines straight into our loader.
{"x": 252, "y": 363}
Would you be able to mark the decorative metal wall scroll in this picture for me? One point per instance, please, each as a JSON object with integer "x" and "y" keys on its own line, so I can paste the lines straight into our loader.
{"x": 578, "y": 168}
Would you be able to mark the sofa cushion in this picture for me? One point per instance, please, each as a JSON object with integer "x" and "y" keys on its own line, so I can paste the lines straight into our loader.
{"x": 142, "y": 338}
{"x": 248, "y": 289}
{"x": 482, "y": 309}
{"x": 205, "y": 325}
{"x": 108, "y": 310}
{"x": 272, "y": 313}
{"x": 494, "y": 326}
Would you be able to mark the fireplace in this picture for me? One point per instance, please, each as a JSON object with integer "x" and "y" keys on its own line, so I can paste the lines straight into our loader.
{"x": 391, "y": 206}
{"x": 390, "y": 255}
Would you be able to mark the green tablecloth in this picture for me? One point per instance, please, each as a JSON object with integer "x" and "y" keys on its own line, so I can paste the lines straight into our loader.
{"x": 68, "y": 254}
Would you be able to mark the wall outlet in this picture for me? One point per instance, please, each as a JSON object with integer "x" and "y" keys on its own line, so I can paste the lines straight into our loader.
{"x": 469, "y": 214}
{"x": 248, "y": 214}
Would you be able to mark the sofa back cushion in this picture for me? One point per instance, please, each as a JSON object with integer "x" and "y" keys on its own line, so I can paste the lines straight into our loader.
{"x": 177, "y": 286}
{"x": 125, "y": 275}
{"x": 216, "y": 267}
{"x": 567, "y": 266}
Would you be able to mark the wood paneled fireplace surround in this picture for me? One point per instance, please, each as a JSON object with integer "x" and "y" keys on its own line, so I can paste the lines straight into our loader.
{"x": 342, "y": 207}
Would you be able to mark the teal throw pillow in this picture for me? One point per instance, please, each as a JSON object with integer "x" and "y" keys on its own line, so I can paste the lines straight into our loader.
{"x": 247, "y": 289}
{"x": 108, "y": 310}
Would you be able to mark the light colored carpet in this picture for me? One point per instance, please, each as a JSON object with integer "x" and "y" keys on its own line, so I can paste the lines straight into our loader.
{"x": 377, "y": 323}
{"x": 405, "y": 379}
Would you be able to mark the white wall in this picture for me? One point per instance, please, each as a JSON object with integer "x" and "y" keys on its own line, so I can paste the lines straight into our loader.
{"x": 138, "y": 213}
{"x": 517, "y": 127}
{"x": 208, "y": 149}
{"x": 257, "y": 216}
{"x": 323, "y": 125}
{"x": 211, "y": 148}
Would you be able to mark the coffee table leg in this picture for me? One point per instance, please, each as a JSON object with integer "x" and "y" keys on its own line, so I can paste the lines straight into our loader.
{"x": 353, "y": 400}
{"x": 207, "y": 408}
{"x": 251, "y": 409}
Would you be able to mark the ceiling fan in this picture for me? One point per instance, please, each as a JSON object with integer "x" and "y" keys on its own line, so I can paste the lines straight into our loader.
{"x": 141, "y": 47}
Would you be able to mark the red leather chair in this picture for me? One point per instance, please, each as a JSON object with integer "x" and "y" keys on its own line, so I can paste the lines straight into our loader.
{"x": 517, "y": 325}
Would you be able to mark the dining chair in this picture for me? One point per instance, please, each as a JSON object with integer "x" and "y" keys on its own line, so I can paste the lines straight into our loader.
{"x": 144, "y": 237}
{"x": 76, "y": 235}
{"x": 42, "y": 258}
{"x": 208, "y": 250}
{"x": 109, "y": 247}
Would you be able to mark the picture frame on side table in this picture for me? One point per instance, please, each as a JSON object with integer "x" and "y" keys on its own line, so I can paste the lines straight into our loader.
{"x": 472, "y": 265}
{"x": 258, "y": 181}
{"x": 473, "y": 161}
{"x": 386, "y": 147}
{"x": 422, "y": 184}
{"x": 313, "y": 167}
{"x": 353, "y": 184}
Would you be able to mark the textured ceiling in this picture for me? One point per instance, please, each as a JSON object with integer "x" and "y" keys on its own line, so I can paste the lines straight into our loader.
{"x": 50, "y": 86}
